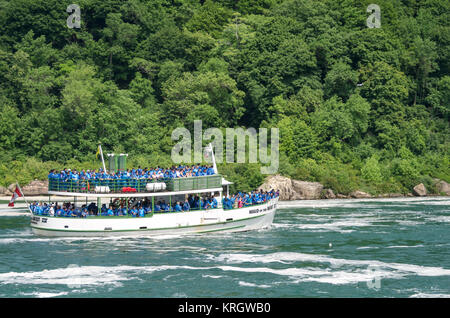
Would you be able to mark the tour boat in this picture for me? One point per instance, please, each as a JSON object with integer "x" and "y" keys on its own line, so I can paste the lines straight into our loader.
{"x": 155, "y": 223}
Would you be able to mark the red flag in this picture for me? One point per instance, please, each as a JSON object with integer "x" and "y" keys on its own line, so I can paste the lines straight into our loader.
{"x": 17, "y": 193}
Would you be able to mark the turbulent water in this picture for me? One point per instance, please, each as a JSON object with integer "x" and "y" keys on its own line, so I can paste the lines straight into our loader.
{"x": 342, "y": 248}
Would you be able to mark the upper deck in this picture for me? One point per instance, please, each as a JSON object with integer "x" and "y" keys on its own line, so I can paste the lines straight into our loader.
{"x": 134, "y": 187}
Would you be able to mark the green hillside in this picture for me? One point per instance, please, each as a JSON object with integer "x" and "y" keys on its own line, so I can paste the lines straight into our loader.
{"x": 356, "y": 107}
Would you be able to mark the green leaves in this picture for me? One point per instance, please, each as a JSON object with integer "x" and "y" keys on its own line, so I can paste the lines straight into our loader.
{"x": 210, "y": 18}
{"x": 371, "y": 171}
{"x": 211, "y": 97}
{"x": 351, "y": 102}
{"x": 341, "y": 80}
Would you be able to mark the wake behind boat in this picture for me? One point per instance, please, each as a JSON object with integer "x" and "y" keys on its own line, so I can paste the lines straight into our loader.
{"x": 197, "y": 197}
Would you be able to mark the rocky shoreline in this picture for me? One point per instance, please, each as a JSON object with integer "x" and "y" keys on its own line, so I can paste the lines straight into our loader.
{"x": 290, "y": 189}
{"x": 35, "y": 187}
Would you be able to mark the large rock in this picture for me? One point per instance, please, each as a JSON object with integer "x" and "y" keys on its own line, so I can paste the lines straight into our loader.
{"x": 359, "y": 194}
{"x": 292, "y": 189}
{"x": 420, "y": 190}
{"x": 329, "y": 194}
{"x": 12, "y": 187}
{"x": 277, "y": 182}
{"x": 306, "y": 190}
{"x": 4, "y": 191}
{"x": 36, "y": 187}
{"x": 442, "y": 187}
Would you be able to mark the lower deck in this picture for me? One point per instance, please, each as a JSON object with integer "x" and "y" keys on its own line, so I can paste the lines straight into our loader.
{"x": 199, "y": 221}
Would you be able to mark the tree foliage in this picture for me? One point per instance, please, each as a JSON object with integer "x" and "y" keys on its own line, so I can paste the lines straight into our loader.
{"x": 355, "y": 105}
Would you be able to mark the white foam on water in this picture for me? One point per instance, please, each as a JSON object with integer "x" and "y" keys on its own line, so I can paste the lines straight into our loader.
{"x": 246, "y": 284}
{"x": 335, "y": 226}
{"x": 442, "y": 218}
{"x": 44, "y": 294}
{"x": 404, "y": 246}
{"x": 312, "y": 227}
{"x": 212, "y": 276}
{"x": 350, "y": 203}
{"x": 325, "y": 204}
{"x": 23, "y": 240}
{"x": 84, "y": 275}
{"x": 17, "y": 233}
{"x": 442, "y": 202}
{"x": 309, "y": 274}
{"x": 14, "y": 213}
{"x": 282, "y": 225}
{"x": 409, "y": 222}
{"x": 427, "y": 295}
{"x": 325, "y": 225}
{"x": 375, "y": 265}
{"x": 118, "y": 240}
{"x": 367, "y": 247}
{"x": 76, "y": 276}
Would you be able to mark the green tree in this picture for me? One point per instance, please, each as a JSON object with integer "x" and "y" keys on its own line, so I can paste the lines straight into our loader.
{"x": 341, "y": 80}
{"x": 371, "y": 170}
{"x": 212, "y": 97}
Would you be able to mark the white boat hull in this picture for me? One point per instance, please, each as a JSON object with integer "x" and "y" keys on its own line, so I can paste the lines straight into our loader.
{"x": 167, "y": 223}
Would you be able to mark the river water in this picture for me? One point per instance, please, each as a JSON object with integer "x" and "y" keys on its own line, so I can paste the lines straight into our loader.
{"x": 324, "y": 248}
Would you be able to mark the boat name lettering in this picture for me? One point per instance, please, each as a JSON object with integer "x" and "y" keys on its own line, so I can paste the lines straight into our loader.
{"x": 255, "y": 211}
{"x": 35, "y": 219}
{"x": 44, "y": 220}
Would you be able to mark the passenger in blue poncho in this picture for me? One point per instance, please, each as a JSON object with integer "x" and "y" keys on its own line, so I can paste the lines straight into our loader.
{"x": 59, "y": 211}
{"x": 38, "y": 210}
{"x": 141, "y": 212}
{"x": 84, "y": 212}
{"x": 110, "y": 211}
{"x": 67, "y": 212}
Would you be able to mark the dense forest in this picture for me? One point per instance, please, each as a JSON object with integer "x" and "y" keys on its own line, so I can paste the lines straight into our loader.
{"x": 356, "y": 107}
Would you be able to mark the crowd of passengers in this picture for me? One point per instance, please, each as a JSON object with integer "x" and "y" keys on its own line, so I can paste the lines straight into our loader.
{"x": 143, "y": 207}
{"x": 139, "y": 173}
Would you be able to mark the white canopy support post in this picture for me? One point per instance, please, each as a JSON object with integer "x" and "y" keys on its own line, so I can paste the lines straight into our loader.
{"x": 103, "y": 159}
{"x": 213, "y": 158}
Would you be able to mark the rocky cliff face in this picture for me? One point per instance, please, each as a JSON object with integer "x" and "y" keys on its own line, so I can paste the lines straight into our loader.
{"x": 359, "y": 195}
{"x": 4, "y": 191}
{"x": 293, "y": 189}
{"x": 302, "y": 190}
{"x": 35, "y": 187}
{"x": 420, "y": 190}
{"x": 442, "y": 187}
{"x": 277, "y": 182}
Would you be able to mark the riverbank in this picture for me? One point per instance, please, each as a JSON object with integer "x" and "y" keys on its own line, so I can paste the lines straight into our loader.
{"x": 291, "y": 189}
